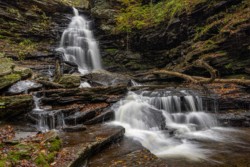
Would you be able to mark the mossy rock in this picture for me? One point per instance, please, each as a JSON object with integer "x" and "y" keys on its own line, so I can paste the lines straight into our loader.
{"x": 15, "y": 105}
{"x": 23, "y": 72}
{"x": 9, "y": 80}
{"x": 70, "y": 81}
{"x": 6, "y": 65}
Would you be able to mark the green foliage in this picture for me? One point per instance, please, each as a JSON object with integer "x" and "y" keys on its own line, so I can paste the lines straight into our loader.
{"x": 134, "y": 15}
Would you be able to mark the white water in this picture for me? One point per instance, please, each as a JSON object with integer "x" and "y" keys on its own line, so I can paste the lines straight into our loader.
{"x": 79, "y": 46}
{"x": 85, "y": 85}
{"x": 47, "y": 119}
{"x": 23, "y": 86}
{"x": 169, "y": 126}
{"x": 134, "y": 83}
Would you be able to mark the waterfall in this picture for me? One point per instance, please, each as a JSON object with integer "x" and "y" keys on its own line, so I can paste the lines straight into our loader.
{"x": 46, "y": 119}
{"x": 166, "y": 123}
{"x": 79, "y": 46}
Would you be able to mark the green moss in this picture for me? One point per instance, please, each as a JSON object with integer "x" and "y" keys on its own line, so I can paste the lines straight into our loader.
{"x": 70, "y": 81}
{"x": 2, "y": 163}
{"x": 41, "y": 160}
{"x": 51, "y": 157}
{"x": 8, "y": 80}
{"x": 54, "y": 145}
{"x": 25, "y": 47}
{"x": 16, "y": 156}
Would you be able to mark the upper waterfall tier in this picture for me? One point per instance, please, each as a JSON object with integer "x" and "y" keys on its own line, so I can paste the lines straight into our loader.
{"x": 79, "y": 45}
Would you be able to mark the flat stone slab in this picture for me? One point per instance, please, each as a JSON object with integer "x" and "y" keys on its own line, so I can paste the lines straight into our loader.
{"x": 131, "y": 153}
{"x": 78, "y": 147}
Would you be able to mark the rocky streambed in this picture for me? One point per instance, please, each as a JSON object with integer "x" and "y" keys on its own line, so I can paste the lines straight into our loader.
{"x": 51, "y": 115}
{"x": 87, "y": 140}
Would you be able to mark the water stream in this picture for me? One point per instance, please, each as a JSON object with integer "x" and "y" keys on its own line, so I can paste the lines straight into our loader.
{"x": 169, "y": 125}
{"x": 46, "y": 118}
{"x": 79, "y": 45}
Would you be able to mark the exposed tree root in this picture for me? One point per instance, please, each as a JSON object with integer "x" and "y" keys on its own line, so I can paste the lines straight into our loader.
{"x": 176, "y": 74}
{"x": 202, "y": 80}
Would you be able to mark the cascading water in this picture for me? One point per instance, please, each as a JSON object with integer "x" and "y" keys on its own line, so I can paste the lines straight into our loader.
{"x": 46, "y": 119}
{"x": 79, "y": 46}
{"x": 166, "y": 124}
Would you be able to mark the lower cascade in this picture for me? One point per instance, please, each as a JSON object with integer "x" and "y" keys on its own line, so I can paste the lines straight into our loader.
{"x": 79, "y": 46}
{"x": 168, "y": 125}
{"x": 46, "y": 119}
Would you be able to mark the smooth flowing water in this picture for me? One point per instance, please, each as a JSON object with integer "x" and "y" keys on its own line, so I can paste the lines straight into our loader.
{"x": 79, "y": 45}
{"x": 170, "y": 125}
{"x": 46, "y": 119}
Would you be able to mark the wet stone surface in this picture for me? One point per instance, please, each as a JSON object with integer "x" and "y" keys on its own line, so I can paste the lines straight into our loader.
{"x": 77, "y": 147}
{"x": 130, "y": 153}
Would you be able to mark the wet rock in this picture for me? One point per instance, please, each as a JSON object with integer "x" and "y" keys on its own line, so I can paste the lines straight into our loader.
{"x": 80, "y": 117}
{"x": 234, "y": 103}
{"x": 106, "y": 78}
{"x": 103, "y": 117}
{"x": 24, "y": 87}
{"x": 80, "y": 146}
{"x": 131, "y": 153}
{"x": 85, "y": 114}
{"x": 75, "y": 128}
{"x": 70, "y": 67}
{"x": 11, "y": 106}
{"x": 234, "y": 119}
{"x": 70, "y": 81}
{"x": 81, "y": 95}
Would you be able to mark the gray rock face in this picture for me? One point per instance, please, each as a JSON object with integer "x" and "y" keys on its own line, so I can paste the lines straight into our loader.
{"x": 106, "y": 78}
{"x": 105, "y": 116}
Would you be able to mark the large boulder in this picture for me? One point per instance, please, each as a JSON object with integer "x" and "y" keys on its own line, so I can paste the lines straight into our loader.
{"x": 70, "y": 81}
{"x": 106, "y": 78}
{"x": 9, "y": 80}
{"x": 15, "y": 105}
